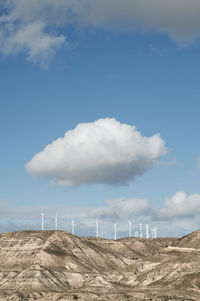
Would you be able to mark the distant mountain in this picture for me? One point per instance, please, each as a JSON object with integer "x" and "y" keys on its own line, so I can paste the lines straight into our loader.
{"x": 55, "y": 265}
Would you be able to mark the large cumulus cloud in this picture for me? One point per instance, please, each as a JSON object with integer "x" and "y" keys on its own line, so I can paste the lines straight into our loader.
{"x": 104, "y": 151}
{"x": 25, "y": 23}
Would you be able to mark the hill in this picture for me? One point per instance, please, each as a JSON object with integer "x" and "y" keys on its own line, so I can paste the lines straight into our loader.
{"x": 55, "y": 265}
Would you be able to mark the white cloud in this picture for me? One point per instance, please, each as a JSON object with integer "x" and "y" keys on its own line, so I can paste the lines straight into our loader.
{"x": 173, "y": 162}
{"x": 116, "y": 210}
{"x": 32, "y": 39}
{"x": 104, "y": 151}
{"x": 178, "y": 18}
{"x": 122, "y": 208}
{"x": 180, "y": 205}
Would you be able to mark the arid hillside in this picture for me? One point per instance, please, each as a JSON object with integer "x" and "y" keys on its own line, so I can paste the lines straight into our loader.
{"x": 55, "y": 265}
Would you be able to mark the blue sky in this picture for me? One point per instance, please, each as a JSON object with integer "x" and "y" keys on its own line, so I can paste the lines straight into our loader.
{"x": 149, "y": 79}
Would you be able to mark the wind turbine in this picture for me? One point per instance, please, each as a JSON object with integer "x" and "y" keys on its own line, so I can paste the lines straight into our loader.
{"x": 147, "y": 231}
{"x": 97, "y": 227}
{"x": 56, "y": 222}
{"x": 130, "y": 232}
{"x": 155, "y": 232}
{"x": 73, "y": 226}
{"x": 42, "y": 216}
{"x": 115, "y": 231}
{"x": 140, "y": 230}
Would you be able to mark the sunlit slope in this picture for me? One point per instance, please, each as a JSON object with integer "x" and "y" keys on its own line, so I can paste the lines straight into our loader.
{"x": 55, "y": 265}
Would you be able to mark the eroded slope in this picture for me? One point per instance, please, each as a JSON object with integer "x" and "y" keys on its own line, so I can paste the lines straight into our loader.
{"x": 55, "y": 265}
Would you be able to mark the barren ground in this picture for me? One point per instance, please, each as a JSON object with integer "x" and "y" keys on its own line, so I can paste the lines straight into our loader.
{"x": 55, "y": 265}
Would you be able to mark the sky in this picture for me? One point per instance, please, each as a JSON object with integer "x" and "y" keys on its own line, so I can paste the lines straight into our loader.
{"x": 99, "y": 115}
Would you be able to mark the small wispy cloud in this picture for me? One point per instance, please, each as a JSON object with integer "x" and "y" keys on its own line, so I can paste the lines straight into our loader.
{"x": 33, "y": 40}
{"x": 173, "y": 162}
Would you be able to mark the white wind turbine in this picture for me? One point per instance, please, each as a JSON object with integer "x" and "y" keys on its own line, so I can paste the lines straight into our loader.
{"x": 97, "y": 227}
{"x": 115, "y": 231}
{"x": 73, "y": 227}
{"x": 42, "y": 217}
{"x": 56, "y": 222}
{"x": 141, "y": 231}
{"x": 155, "y": 232}
{"x": 147, "y": 231}
{"x": 152, "y": 232}
{"x": 130, "y": 228}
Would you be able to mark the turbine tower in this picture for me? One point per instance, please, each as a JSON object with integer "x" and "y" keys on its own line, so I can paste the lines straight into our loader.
{"x": 130, "y": 232}
{"x": 140, "y": 230}
{"x": 56, "y": 222}
{"x": 73, "y": 226}
{"x": 115, "y": 231}
{"x": 97, "y": 227}
{"x": 155, "y": 232}
{"x": 147, "y": 231}
{"x": 42, "y": 216}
